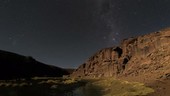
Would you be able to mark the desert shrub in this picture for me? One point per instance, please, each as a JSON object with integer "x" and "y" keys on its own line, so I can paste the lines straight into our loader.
{"x": 23, "y": 84}
{"x": 69, "y": 81}
{"x": 49, "y": 82}
{"x": 112, "y": 87}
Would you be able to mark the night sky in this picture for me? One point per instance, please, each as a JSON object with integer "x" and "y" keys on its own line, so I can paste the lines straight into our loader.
{"x": 66, "y": 33}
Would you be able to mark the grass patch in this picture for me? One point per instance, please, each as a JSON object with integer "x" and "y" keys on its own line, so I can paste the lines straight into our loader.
{"x": 72, "y": 87}
{"x": 39, "y": 86}
{"x": 112, "y": 87}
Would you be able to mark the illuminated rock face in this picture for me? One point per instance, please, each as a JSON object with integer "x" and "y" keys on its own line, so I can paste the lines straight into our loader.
{"x": 134, "y": 56}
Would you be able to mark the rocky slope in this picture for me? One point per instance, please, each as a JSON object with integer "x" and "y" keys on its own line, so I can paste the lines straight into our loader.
{"x": 145, "y": 56}
{"x": 14, "y": 66}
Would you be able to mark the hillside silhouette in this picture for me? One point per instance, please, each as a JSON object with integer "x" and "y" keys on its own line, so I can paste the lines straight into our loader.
{"x": 15, "y": 66}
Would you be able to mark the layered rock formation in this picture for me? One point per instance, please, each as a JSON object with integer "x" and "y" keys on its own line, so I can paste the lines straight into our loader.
{"x": 147, "y": 55}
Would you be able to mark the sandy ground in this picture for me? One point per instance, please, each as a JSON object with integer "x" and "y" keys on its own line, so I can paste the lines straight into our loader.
{"x": 161, "y": 86}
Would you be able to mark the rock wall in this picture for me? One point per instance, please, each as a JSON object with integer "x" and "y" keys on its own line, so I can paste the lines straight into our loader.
{"x": 135, "y": 56}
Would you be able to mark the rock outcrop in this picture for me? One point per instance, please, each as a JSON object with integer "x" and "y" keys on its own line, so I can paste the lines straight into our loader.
{"x": 147, "y": 55}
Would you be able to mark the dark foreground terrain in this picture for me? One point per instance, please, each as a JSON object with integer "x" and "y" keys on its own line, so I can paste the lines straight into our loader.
{"x": 37, "y": 86}
{"x": 45, "y": 86}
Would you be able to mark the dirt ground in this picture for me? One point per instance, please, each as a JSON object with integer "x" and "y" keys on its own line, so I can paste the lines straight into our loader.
{"x": 161, "y": 86}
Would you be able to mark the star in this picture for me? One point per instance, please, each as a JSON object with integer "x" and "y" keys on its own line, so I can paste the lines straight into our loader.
{"x": 51, "y": 27}
{"x": 113, "y": 39}
{"x": 117, "y": 33}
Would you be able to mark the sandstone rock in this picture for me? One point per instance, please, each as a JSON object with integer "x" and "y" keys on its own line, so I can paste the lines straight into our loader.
{"x": 148, "y": 54}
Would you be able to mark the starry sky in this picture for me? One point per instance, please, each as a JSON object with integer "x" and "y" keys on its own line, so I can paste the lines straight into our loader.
{"x": 66, "y": 33}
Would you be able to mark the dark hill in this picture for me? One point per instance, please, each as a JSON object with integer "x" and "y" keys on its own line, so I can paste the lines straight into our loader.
{"x": 14, "y": 66}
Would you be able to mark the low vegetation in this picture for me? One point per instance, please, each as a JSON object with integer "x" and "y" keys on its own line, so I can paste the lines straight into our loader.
{"x": 112, "y": 87}
{"x": 39, "y": 86}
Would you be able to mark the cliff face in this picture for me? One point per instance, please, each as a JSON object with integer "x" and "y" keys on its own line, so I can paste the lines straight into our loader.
{"x": 97, "y": 65}
{"x": 147, "y": 55}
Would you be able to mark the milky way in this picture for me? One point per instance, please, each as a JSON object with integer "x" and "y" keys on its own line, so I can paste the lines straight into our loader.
{"x": 66, "y": 32}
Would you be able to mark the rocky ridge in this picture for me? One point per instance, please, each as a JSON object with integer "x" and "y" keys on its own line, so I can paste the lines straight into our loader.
{"x": 147, "y": 56}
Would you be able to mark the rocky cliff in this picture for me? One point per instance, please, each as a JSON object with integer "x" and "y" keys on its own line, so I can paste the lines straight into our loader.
{"x": 147, "y": 56}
